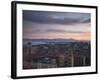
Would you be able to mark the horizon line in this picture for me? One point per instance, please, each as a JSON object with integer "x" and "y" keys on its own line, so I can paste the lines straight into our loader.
{"x": 58, "y": 38}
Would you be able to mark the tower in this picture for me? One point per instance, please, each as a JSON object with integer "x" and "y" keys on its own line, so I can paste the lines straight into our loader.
{"x": 61, "y": 59}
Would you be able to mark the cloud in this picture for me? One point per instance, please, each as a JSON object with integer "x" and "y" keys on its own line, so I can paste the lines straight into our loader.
{"x": 86, "y": 20}
{"x": 47, "y": 17}
{"x": 62, "y": 31}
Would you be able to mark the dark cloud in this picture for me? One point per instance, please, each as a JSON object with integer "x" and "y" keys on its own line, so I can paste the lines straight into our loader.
{"x": 56, "y": 31}
{"x": 86, "y": 20}
{"x": 61, "y": 31}
{"x": 55, "y": 17}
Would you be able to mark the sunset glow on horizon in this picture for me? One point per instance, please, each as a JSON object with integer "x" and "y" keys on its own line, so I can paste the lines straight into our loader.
{"x": 81, "y": 36}
{"x": 50, "y": 25}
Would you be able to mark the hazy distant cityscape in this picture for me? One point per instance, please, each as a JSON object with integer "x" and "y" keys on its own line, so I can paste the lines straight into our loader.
{"x": 54, "y": 53}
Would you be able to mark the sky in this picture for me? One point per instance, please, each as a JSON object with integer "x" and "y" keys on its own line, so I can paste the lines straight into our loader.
{"x": 51, "y": 25}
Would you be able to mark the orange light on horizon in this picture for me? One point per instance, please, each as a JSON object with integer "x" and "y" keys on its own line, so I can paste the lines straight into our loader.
{"x": 78, "y": 36}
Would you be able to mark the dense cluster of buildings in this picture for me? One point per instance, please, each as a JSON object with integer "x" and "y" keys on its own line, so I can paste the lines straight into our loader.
{"x": 54, "y": 55}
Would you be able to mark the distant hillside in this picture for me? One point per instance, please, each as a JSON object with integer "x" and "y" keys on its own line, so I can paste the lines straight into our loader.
{"x": 45, "y": 41}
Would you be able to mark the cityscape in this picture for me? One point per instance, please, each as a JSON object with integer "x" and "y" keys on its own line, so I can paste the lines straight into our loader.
{"x": 54, "y": 39}
{"x": 56, "y": 54}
